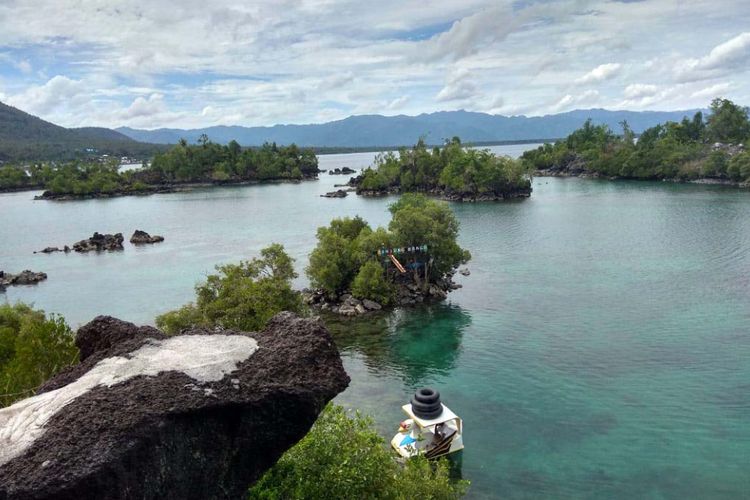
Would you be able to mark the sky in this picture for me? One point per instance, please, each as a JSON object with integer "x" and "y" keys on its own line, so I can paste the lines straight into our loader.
{"x": 187, "y": 64}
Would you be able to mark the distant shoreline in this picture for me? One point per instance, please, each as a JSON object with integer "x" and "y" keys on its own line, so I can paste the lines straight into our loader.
{"x": 706, "y": 181}
{"x": 329, "y": 150}
{"x": 164, "y": 189}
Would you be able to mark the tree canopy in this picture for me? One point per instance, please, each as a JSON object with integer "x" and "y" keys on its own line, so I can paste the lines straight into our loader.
{"x": 208, "y": 161}
{"x": 184, "y": 163}
{"x": 672, "y": 150}
{"x": 33, "y": 347}
{"x": 241, "y": 296}
{"x": 452, "y": 168}
{"x": 347, "y": 256}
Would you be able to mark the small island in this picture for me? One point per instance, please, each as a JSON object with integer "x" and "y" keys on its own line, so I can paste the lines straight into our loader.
{"x": 708, "y": 151}
{"x": 452, "y": 172}
{"x": 355, "y": 269}
{"x": 184, "y": 166}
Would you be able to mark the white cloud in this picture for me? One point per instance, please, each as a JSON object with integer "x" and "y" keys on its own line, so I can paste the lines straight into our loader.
{"x": 301, "y": 61}
{"x": 58, "y": 91}
{"x": 713, "y": 91}
{"x": 568, "y": 101}
{"x": 142, "y": 107}
{"x": 397, "y": 103}
{"x": 458, "y": 87}
{"x": 639, "y": 90}
{"x": 732, "y": 55}
{"x": 600, "y": 73}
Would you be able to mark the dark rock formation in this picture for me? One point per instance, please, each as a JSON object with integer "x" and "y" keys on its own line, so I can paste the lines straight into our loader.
{"x": 339, "y": 193}
{"x": 65, "y": 249}
{"x": 25, "y": 277}
{"x": 142, "y": 237}
{"x": 100, "y": 242}
{"x": 342, "y": 171}
{"x": 198, "y": 415}
{"x": 408, "y": 293}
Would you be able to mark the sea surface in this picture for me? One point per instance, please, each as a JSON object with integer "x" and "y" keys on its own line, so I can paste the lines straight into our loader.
{"x": 600, "y": 347}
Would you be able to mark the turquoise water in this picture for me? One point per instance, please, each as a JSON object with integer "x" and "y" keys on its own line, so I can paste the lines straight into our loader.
{"x": 599, "y": 349}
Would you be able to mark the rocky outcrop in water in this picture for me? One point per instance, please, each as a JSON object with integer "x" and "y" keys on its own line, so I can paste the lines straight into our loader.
{"x": 65, "y": 249}
{"x": 198, "y": 415}
{"x": 339, "y": 193}
{"x": 407, "y": 293}
{"x": 443, "y": 193}
{"x": 100, "y": 242}
{"x": 25, "y": 277}
{"x": 342, "y": 171}
{"x": 142, "y": 237}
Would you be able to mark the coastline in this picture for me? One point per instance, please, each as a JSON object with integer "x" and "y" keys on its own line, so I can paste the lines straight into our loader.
{"x": 448, "y": 195}
{"x": 162, "y": 189}
{"x": 708, "y": 181}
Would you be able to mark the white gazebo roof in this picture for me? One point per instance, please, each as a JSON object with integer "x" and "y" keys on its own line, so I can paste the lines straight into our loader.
{"x": 446, "y": 416}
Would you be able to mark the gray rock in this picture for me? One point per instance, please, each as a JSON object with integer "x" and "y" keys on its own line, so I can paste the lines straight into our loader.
{"x": 347, "y": 310}
{"x": 25, "y": 277}
{"x": 465, "y": 271}
{"x": 371, "y": 305}
{"x": 100, "y": 242}
{"x": 142, "y": 237}
{"x": 204, "y": 421}
{"x": 360, "y": 309}
{"x": 339, "y": 193}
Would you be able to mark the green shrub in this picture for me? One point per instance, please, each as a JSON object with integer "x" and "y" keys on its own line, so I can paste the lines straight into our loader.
{"x": 370, "y": 283}
{"x": 347, "y": 245}
{"x": 32, "y": 349}
{"x": 242, "y": 296}
{"x": 345, "y": 458}
{"x": 739, "y": 167}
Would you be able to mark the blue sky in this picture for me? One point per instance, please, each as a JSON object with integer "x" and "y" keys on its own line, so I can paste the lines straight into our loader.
{"x": 192, "y": 64}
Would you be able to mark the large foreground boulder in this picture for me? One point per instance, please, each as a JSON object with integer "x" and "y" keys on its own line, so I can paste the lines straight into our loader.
{"x": 198, "y": 415}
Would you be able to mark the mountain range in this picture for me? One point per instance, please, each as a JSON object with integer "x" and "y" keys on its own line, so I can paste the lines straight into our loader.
{"x": 27, "y": 137}
{"x": 377, "y": 130}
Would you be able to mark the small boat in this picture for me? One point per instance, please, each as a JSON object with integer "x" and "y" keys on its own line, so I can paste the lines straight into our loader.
{"x": 432, "y": 429}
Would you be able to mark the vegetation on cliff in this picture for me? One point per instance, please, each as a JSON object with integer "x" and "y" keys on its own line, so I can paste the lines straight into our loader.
{"x": 344, "y": 457}
{"x": 33, "y": 347}
{"x": 695, "y": 148}
{"x": 453, "y": 171}
{"x": 349, "y": 254}
{"x": 241, "y": 296}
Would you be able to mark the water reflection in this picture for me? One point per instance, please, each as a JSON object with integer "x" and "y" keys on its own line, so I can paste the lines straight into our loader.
{"x": 416, "y": 343}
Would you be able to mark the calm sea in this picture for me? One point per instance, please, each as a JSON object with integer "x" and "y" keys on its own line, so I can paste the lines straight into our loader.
{"x": 599, "y": 349}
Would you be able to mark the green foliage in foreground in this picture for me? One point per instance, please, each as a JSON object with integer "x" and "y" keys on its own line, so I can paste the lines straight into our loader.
{"x": 343, "y": 458}
{"x": 673, "y": 150}
{"x": 241, "y": 296}
{"x": 346, "y": 256}
{"x": 452, "y": 168}
{"x": 32, "y": 349}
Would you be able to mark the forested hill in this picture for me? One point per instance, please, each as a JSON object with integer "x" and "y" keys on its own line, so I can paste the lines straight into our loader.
{"x": 25, "y": 137}
{"x": 378, "y": 130}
